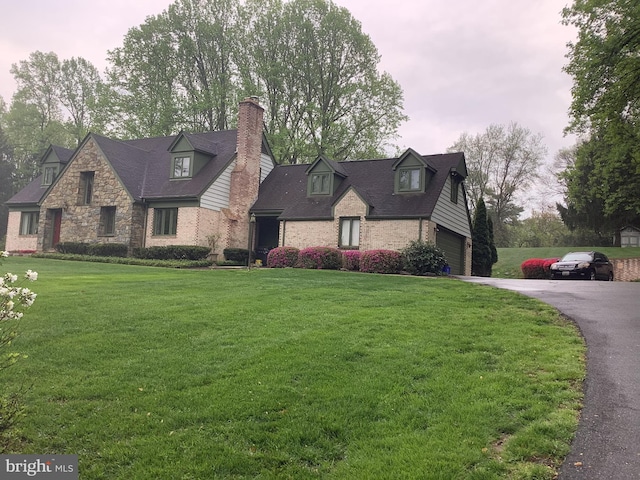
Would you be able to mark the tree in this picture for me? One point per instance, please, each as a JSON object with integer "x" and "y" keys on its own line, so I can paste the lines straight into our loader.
{"x": 309, "y": 61}
{"x": 145, "y": 99}
{"x": 604, "y": 62}
{"x": 481, "y": 256}
{"x": 602, "y": 185}
{"x": 502, "y": 163}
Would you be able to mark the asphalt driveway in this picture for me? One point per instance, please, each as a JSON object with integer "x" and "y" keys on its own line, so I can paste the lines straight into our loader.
{"x": 607, "y": 443}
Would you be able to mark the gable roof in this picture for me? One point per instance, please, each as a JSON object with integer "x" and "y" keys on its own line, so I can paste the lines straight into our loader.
{"x": 284, "y": 191}
{"x": 34, "y": 191}
{"x": 144, "y": 165}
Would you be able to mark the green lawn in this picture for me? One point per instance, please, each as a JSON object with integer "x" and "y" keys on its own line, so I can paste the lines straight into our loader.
{"x": 150, "y": 373}
{"x": 510, "y": 259}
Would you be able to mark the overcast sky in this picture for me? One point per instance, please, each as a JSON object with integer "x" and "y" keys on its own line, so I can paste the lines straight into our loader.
{"x": 463, "y": 64}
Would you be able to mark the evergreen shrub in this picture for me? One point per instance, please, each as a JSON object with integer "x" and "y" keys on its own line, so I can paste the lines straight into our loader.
{"x": 108, "y": 250}
{"x": 237, "y": 255}
{"x": 77, "y": 248}
{"x": 422, "y": 258}
{"x": 172, "y": 252}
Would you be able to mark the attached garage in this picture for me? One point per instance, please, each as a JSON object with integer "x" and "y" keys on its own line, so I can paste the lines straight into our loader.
{"x": 452, "y": 245}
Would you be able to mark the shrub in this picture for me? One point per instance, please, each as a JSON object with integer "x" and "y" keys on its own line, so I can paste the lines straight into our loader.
{"x": 77, "y": 248}
{"x": 537, "y": 267}
{"x": 108, "y": 250}
{"x": 381, "y": 261}
{"x": 172, "y": 252}
{"x": 421, "y": 258}
{"x": 351, "y": 260}
{"x": 282, "y": 257}
{"x": 325, "y": 258}
{"x": 237, "y": 255}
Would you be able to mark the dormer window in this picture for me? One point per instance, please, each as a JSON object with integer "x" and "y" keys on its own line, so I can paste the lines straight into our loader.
{"x": 182, "y": 167}
{"x": 48, "y": 175}
{"x": 320, "y": 184}
{"x": 409, "y": 179}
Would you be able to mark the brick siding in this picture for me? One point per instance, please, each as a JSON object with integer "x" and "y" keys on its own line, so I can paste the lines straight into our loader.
{"x": 14, "y": 240}
{"x": 626, "y": 269}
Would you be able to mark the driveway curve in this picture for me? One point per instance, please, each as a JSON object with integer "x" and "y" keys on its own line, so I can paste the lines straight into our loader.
{"x": 607, "y": 443}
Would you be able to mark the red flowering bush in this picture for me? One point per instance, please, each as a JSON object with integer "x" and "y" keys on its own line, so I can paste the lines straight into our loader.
{"x": 381, "y": 261}
{"x": 537, "y": 267}
{"x": 281, "y": 257}
{"x": 351, "y": 260}
{"x": 325, "y": 258}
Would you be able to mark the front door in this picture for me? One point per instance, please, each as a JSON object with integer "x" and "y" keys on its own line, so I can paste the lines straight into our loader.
{"x": 57, "y": 221}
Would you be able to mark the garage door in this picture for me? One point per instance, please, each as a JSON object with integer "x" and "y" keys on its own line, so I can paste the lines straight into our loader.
{"x": 452, "y": 245}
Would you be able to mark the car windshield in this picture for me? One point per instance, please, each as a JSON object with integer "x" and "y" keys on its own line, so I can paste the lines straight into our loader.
{"x": 577, "y": 257}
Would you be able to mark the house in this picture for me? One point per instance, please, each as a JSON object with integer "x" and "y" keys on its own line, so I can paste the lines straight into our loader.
{"x": 369, "y": 204}
{"x": 188, "y": 189}
{"x": 630, "y": 237}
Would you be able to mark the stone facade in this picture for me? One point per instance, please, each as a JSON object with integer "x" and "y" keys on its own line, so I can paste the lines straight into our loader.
{"x": 80, "y": 222}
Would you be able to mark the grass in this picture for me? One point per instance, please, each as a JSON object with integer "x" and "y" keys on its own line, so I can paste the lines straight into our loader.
{"x": 150, "y": 373}
{"x": 510, "y": 259}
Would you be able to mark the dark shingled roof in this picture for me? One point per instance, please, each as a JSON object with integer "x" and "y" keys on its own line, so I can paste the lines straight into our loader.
{"x": 34, "y": 191}
{"x": 144, "y": 166}
{"x": 284, "y": 191}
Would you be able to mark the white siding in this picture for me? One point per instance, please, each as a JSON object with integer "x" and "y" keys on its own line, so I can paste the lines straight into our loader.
{"x": 217, "y": 195}
{"x": 266, "y": 165}
{"x": 452, "y": 215}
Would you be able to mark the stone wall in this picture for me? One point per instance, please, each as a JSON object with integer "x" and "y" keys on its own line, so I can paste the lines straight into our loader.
{"x": 80, "y": 223}
{"x": 626, "y": 269}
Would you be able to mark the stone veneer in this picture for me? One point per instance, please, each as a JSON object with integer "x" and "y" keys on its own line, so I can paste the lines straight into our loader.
{"x": 80, "y": 223}
{"x": 626, "y": 269}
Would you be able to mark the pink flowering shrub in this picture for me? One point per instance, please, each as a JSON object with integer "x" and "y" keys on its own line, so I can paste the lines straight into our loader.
{"x": 325, "y": 258}
{"x": 351, "y": 260}
{"x": 537, "y": 267}
{"x": 381, "y": 261}
{"x": 282, "y": 257}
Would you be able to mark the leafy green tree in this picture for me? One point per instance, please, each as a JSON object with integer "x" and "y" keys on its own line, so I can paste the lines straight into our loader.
{"x": 602, "y": 183}
{"x": 481, "y": 257}
{"x": 145, "y": 100}
{"x": 604, "y": 62}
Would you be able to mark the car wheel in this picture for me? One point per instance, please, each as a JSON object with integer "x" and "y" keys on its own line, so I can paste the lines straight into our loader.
{"x": 592, "y": 275}
{"x": 611, "y": 276}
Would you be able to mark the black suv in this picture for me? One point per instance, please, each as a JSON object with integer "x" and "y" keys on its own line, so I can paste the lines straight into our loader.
{"x": 587, "y": 265}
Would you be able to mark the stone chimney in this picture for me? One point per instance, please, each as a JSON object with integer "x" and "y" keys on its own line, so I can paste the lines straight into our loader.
{"x": 245, "y": 177}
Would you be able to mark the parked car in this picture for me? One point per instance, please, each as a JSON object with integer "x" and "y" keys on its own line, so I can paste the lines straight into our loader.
{"x": 587, "y": 265}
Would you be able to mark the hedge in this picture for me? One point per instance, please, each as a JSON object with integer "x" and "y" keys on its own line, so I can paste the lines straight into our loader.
{"x": 326, "y": 258}
{"x": 108, "y": 250}
{"x": 537, "y": 267}
{"x": 381, "y": 261}
{"x": 172, "y": 252}
{"x": 422, "y": 258}
{"x": 351, "y": 260}
{"x": 282, "y": 257}
{"x": 237, "y": 255}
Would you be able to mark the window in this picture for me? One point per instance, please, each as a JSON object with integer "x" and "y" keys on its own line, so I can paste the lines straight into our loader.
{"x": 49, "y": 175}
{"x": 165, "y": 221}
{"x": 320, "y": 184}
{"x": 181, "y": 167}
{"x": 107, "y": 221}
{"x": 455, "y": 186}
{"x": 29, "y": 223}
{"x": 349, "y": 232}
{"x": 86, "y": 187}
{"x": 409, "y": 180}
